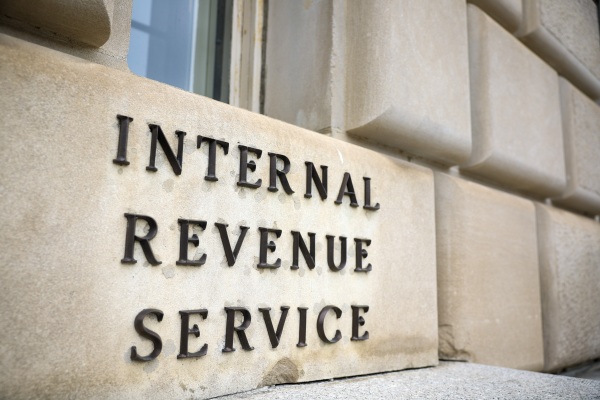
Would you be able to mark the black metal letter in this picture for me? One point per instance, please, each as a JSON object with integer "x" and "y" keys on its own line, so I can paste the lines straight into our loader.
{"x": 274, "y": 337}
{"x": 246, "y": 165}
{"x": 212, "y": 155}
{"x": 186, "y": 332}
{"x": 312, "y": 175}
{"x": 368, "y": 205}
{"x": 309, "y": 257}
{"x": 321, "y": 323}
{"x": 231, "y": 255}
{"x": 131, "y": 238}
{"x": 264, "y": 236}
{"x": 302, "y": 327}
{"x": 330, "y": 255}
{"x": 347, "y": 189}
{"x": 230, "y": 329}
{"x": 274, "y": 173}
{"x": 123, "y": 134}
{"x": 144, "y": 332}
{"x": 184, "y": 239}
{"x": 358, "y": 320}
{"x": 361, "y": 254}
{"x": 158, "y": 135}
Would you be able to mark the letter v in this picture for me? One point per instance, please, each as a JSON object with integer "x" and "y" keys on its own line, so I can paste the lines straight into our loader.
{"x": 273, "y": 336}
{"x": 231, "y": 255}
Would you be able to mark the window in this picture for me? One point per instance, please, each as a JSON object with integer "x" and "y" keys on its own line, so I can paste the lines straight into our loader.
{"x": 210, "y": 47}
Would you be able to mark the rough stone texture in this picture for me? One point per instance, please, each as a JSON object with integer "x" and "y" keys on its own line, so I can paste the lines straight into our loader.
{"x": 450, "y": 380}
{"x": 96, "y": 30}
{"x": 517, "y": 135}
{"x": 581, "y": 125}
{"x": 68, "y": 301}
{"x": 566, "y": 35}
{"x": 507, "y": 13}
{"x": 298, "y": 82}
{"x": 570, "y": 281}
{"x": 407, "y": 85}
{"x": 488, "y": 281}
{"x": 87, "y": 21}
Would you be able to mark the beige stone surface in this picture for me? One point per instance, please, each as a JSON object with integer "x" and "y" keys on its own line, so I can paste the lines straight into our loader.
{"x": 97, "y": 30}
{"x": 488, "y": 281}
{"x": 581, "y": 124}
{"x": 570, "y": 282}
{"x": 87, "y": 21}
{"x": 515, "y": 110}
{"x": 566, "y": 35}
{"x": 407, "y": 76}
{"x": 298, "y": 63}
{"x": 507, "y": 13}
{"x": 69, "y": 303}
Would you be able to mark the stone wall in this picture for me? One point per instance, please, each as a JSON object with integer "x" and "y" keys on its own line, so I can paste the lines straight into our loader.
{"x": 458, "y": 219}
{"x": 496, "y": 94}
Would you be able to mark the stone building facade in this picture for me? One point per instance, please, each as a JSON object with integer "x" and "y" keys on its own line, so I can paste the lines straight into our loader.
{"x": 424, "y": 184}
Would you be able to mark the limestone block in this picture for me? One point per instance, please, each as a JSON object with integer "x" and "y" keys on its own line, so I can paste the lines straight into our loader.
{"x": 488, "y": 280}
{"x": 299, "y": 51}
{"x": 566, "y": 35}
{"x": 515, "y": 110}
{"x": 97, "y": 30}
{"x": 407, "y": 76}
{"x": 87, "y": 22}
{"x": 507, "y": 13}
{"x": 581, "y": 125}
{"x": 70, "y": 291}
{"x": 570, "y": 282}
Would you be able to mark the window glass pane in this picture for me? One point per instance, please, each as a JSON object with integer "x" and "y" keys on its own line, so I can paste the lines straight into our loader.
{"x": 168, "y": 27}
{"x": 138, "y": 52}
{"x": 142, "y": 11}
{"x": 185, "y": 43}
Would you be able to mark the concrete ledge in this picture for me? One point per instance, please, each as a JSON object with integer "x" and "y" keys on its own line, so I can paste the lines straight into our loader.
{"x": 450, "y": 380}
